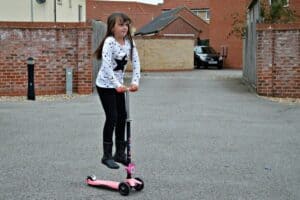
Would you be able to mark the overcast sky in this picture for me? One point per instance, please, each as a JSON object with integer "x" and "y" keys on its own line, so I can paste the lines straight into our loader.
{"x": 145, "y": 1}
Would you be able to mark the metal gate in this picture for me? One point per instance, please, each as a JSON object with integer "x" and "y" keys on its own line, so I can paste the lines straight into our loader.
{"x": 249, "y": 57}
{"x": 99, "y": 30}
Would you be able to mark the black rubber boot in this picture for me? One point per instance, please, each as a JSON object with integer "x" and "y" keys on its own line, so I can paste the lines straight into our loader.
{"x": 120, "y": 155}
{"x": 107, "y": 158}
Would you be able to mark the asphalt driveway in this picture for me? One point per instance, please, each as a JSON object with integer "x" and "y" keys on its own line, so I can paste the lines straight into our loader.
{"x": 196, "y": 135}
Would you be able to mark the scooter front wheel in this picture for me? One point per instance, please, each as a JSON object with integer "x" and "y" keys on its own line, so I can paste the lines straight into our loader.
{"x": 139, "y": 187}
{"x": 124, "y": 188}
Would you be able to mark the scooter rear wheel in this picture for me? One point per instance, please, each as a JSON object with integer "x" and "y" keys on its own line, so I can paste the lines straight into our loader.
{"x": 92, "y": 178}
{"x": 124, "y": 188}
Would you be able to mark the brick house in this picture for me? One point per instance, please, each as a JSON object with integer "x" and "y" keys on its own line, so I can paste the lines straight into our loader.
{"x": 140, "y": 13}
{"x": 221, "y": 25}
{"x": 180, "y": 21}
{"x": 218, "y": 15}
{"x": 198, "y": 7}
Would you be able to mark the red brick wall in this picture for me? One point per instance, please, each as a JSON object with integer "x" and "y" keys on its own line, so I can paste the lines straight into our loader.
{"x": 220, "y": 27}
{"x": 179, "y": 26}
{"x": 54, "y": 46}
{"x": 191, "y": 4}
{"x": 140, "y": 13}
{"x": 196, "y": 22}
{"x": 187, "y": 23}
{"x": 278, "y": 60}
{"x": 295, "y": 5}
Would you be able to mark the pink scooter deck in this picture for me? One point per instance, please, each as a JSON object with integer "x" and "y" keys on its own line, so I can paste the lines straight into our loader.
{"x": 123, "y": 187}
{"x": 103, "y": 183}
{"x": 113, "y": 184}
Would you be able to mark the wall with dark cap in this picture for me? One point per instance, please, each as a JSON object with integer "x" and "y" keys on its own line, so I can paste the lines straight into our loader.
{"x": 54, "y": 46}
{"x": 278, "y": 60}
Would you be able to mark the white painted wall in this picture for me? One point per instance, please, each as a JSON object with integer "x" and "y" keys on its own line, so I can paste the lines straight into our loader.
{"x": 30, "y": 10}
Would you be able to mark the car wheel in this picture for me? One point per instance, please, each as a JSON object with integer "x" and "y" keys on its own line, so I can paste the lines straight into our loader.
{"x": 196, "y": 64}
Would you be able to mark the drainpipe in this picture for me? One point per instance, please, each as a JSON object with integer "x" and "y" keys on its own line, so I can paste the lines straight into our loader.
{"x": 273, "y": 61}
{"x": 31, "y": 4}
{"x": 54, "y": 10}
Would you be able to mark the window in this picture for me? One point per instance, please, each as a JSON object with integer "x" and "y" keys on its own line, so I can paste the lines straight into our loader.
{"x": 286, "y": 2}
{"x": 59, "y": 2}
{"x": 203, "y": 13}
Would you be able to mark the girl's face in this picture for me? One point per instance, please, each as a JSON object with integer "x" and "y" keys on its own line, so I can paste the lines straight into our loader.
{"x": 120, "y": 29}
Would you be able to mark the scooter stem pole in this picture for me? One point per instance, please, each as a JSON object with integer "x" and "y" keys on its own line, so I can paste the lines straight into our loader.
{"x": 128, "y": 130}
{"x": 127, "y": 103}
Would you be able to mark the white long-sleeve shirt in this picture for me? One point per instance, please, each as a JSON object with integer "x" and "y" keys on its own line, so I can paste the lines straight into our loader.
{"x": 108, "y": 76}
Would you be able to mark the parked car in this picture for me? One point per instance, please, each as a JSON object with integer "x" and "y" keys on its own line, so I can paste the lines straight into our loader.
{"x": 205, "y": 56}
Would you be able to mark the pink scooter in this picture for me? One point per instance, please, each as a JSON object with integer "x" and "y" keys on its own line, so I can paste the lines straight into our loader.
{"x": 123, "y": 187}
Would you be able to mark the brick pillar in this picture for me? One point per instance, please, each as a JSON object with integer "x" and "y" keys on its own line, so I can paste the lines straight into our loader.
{"x": 265, "y": 62}
{"x": 278, "y": 60}
{"x": 85, "y": 67}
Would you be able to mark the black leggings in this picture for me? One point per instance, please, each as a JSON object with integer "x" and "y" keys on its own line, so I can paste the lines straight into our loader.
{"x": 113, "y": 104}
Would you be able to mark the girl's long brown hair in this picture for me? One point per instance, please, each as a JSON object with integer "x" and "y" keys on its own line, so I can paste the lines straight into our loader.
{"x": 111, "y": 21}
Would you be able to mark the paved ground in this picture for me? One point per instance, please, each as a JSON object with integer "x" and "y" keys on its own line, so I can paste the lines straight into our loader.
{"x": 196, "y": 135}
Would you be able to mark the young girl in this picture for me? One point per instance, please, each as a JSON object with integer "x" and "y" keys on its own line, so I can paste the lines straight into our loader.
{"x": 115, "y": 50}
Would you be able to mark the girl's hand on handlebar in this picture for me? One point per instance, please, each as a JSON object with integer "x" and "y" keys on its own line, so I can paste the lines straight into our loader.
{"x": 121, "y": 89}
{"x": 133, "y": 88}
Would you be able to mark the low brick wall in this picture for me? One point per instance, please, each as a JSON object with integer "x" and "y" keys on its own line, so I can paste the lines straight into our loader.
{"x": 54, "y": 46}
{"x": 278, "y": 60}
{"x": 165, "y": 53}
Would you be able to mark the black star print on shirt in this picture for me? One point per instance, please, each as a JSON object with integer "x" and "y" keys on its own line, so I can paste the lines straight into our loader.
{"x": 121, "y": 63}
